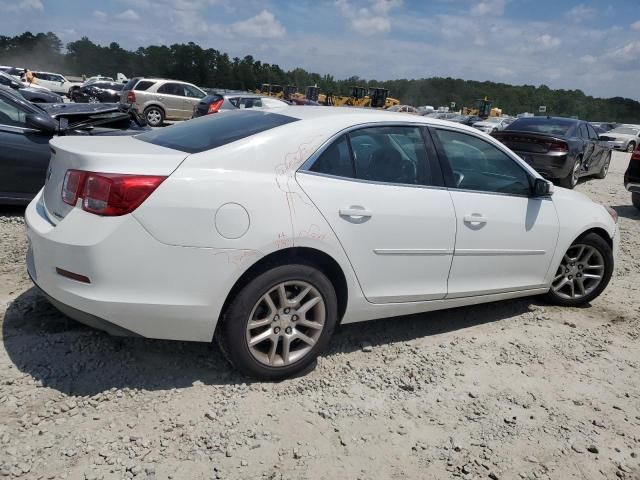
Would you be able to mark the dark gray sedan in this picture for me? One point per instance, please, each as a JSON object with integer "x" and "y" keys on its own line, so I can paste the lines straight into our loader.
{"x": 25, "y": 131}
{"x": 561, "y": 149}
{"x": 33, "y": 94}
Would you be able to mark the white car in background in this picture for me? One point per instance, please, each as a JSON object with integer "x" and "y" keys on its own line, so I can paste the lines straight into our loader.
{"x": 267, "y": 229}
{"x": 492, "y": 124}
{"x": 54, "y": 81}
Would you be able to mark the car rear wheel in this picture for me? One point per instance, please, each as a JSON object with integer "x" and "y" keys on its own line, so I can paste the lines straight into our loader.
{"x": 631, "y": 147}
{"x": 635, "y": 200}
{"x": 154, "y": 116}
{"x": 583, "y": 273}
{"x": 571, "y": 180}
{"x": 279, "y": 322}
{"x": 93, "y": 99}
{"x": 605, "y": 167}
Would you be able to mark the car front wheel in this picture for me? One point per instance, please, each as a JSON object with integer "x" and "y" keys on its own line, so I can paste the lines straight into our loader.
{"x": 631, "y": 147}
{"x": 583, "y": 273}
{"x": 279, "y": 322}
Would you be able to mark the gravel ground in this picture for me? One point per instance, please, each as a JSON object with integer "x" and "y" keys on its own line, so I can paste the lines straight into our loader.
{"x": 515, "y": 389}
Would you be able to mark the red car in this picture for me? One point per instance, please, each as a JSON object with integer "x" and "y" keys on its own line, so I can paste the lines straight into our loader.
{"x": 632, "y": 177}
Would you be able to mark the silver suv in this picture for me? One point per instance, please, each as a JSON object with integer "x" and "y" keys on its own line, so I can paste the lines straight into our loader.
{"x": 159, "y": 99}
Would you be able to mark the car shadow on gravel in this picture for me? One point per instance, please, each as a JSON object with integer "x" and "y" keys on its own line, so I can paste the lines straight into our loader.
{"x": 65, "y": 355}
{"x": 11, "y": 211}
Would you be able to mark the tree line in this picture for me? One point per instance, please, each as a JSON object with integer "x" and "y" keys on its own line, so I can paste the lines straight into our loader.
{"x": 211, "y": 68}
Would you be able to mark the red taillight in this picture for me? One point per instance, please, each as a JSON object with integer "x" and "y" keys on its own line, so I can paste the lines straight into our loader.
{"x": 108, "y": 194}
{"x": 71, "y": 186}
{"x": 636, "y": 154}
{"x": 131, "y": 96}
{"x": 215, "y": 106}
{"x": 558, "y": 147}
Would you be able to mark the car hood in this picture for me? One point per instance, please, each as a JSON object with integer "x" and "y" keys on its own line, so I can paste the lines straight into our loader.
{"x": 58, "y": 110}
{"x": 619, "y": 136}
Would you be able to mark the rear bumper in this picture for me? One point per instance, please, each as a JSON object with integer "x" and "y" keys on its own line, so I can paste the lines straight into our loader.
{"x": 549, "y": 166}
{"x": 138, "y": 285}
{"x": 633, "y": 187}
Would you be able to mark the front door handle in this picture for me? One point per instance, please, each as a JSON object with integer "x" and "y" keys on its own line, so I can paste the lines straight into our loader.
{"x": 354, "y": 212}
{"x": 475, "y": 218}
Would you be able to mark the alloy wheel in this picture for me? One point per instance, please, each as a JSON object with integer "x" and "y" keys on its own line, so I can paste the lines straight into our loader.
{"x": 154, "y": 117}
{"x": 575, "y": 174}
{"x": 579, "y": 273}
{"x": 286, "y": 323}
{"x": 93, "y": 99}
{"x": 631, "y": 147}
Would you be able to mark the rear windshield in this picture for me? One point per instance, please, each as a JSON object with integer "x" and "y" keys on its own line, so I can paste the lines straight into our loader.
{"x": 132, "y": 81}
{"x": 143, "y": 85}
{"x": 549, "y": 126}
{"x": 213, "y": 131}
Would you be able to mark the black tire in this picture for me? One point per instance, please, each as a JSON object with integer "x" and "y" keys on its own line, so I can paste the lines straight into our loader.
{"x": 601, "y": 245}
{"x": 631, "y": 147}
{"x": 605, "y": 168}
{"x": 154, "y": 116}
{"x": 231, "y": 333}
{"x": 635, "y": 199}
{"x": 571, "y": 180}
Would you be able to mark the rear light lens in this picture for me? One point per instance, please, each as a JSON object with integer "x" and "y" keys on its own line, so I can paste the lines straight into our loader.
{"x": 636, "y": 154}
{"x": 71, "y": 186}
{"x": 215, "y": 106}
{"x": 108, "y": 194}
{"x": 558, "y": 147}
{"x": 131, "y": 96}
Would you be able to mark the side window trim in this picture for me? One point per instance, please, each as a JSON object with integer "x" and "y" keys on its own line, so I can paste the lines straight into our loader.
{"x": 448, "y": 172}
{"x": 432, "y": 157}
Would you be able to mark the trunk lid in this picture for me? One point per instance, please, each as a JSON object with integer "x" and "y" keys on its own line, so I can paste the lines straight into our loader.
{"x": 528, "y": 142}
{"x": 108, "y": 154}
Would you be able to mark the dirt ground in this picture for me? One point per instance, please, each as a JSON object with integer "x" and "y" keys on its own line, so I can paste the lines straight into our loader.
{"x": 515, "y": 389}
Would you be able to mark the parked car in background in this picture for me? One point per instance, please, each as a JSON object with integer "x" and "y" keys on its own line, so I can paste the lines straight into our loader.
{"x": 632, "y": 177}
{"x": 562, "y": 149}
{"x": 492, "y": 124}
{"x": 98, "y": 92}
{"x": 466, "y": 119}
{"x": 16, "y": 72}
{"x": 404, "y": 109}
{"x": 216, "y": 102}
{"x": 441, "y": 115}
{"x": 88, "y": 81}
{"x": 30, "y": 93}
{"x": 160, "y": 99}
{"x": 25, "y": 131}
{"x": 265, "y": 230}
{"x": 624, "y": 137}
{"x": 604, "y": 126}
{"x": 54, "y": 81}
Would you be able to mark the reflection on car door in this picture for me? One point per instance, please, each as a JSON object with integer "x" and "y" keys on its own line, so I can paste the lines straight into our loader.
{"x": 389, "y": 211}
{"x": 172, "y": 96}
{"x": 600, "y": 150}
{"x": 505, "y": 238}
{"x": 589, "y": 145}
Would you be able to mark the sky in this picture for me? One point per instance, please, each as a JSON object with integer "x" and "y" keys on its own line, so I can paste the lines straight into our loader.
{"x": 593, "y": 46}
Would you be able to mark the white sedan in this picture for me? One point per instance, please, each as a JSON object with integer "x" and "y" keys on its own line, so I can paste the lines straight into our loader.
{"x": 268, "y": 229}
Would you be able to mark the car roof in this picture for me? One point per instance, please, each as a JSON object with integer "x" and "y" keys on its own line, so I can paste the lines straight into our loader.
{"x": 50, "y": 73}
{"x": 355, "y": 115}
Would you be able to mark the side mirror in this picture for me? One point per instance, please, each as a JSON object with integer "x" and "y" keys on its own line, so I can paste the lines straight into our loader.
{"x": 542, "y": 188}
{"x": 41, "y": 122}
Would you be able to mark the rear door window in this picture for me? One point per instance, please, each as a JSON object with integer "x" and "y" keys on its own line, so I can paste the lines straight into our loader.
{"x": 212, "y": 131}
{"x": 335, "y": 160}
{"x": 142, "y": 85}
{"x": 250, "y": 102}
{"x": 172, "y": 89}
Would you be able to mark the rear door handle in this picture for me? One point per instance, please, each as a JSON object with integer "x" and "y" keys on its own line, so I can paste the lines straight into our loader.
{"x": 475, "y": 218}
{"x": 354, "y": 212}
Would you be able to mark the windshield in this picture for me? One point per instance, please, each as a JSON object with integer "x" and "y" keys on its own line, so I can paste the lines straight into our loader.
{"x": 549, "y": 126}
{"x": 213, "y": 131}
{"x": 625, "y": 131}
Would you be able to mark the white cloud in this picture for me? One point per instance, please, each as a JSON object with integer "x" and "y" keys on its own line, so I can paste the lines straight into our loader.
{"x": 636, "y": 25}
{"x": 128, "y": 15}
{"x": 99, "y": 14}
{"x": 547, "y": 41}
{"x": 263, "y": 25}
{"x": 628, "y": 55}
{"x": 489, "y": 7}
{"x": 580, "y": 13}
{"x": 371, "y": 20}
{"x": 22, "y": 5}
